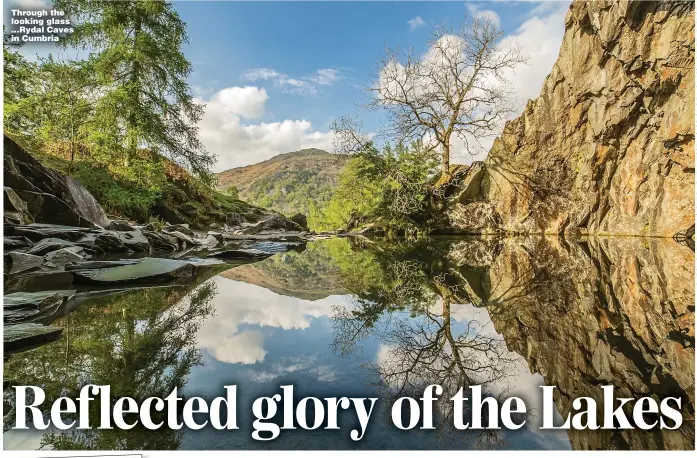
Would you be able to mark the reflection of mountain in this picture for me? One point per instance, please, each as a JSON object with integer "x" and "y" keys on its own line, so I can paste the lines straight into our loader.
{"x": 310, "y": 275}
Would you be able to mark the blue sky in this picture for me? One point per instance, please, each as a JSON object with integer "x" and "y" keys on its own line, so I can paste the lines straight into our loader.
{"x": 275, "y": 74}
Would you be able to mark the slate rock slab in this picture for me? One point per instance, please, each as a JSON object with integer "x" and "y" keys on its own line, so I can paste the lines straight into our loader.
{"x": 24, "y": 336}
{"x": 18, "y": 262}
{"x": 48, "y": 245}
{"x": 148, "y": 270}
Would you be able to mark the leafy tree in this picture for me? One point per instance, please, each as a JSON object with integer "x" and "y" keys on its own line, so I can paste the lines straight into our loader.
{"x": 390, "y": 184}
{"x": 20, "y": 83}
{"x": 66, "y": 104}
{"x": 135, "y": 54}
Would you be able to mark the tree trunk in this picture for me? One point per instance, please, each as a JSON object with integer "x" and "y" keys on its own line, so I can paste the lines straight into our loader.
{"x": 445, "y": 161}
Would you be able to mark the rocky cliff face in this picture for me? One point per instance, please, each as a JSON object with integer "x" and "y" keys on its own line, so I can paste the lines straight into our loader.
{"x": 608, "y": 147}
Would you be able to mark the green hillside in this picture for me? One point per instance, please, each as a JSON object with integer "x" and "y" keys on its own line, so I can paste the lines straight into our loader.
{"x": 289, "y": 182}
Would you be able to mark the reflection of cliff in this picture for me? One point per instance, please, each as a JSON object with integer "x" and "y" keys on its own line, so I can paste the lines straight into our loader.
{"x": 584, "y": 315}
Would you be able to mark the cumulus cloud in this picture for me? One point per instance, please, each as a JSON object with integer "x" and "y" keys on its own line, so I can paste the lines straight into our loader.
{"x": 415, "y": 23}
{"x": 226, "y": 132}
{"x": 304, "y": 85}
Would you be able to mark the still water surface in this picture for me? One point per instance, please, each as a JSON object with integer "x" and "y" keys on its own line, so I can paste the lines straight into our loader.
{"x": 363, "y": 319}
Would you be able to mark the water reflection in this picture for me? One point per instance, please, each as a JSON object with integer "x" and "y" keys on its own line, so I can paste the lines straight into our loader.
{"x": 355, "y": 317}
{"x": 141, "y": 343}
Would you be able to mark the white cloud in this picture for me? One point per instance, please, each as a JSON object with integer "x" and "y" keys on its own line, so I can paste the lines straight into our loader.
{"x": 539, "y": 38}
{"x": 236, "y": 144}
{"x": 415, "y": 23}
{"x": 325, "y": 76}
{"x": 305, "y": 85}
{"x": 225, "y": 335}
{"x": 481, "y": 14}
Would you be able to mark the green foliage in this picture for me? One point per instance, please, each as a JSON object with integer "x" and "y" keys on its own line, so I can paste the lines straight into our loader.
{"x": 20, "y": 82}
{"x": 388, "y": 185}
{"x": 233, "y": 192}
{"x": 136, "y": 57}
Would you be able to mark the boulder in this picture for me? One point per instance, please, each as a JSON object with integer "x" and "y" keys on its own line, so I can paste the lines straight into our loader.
{"x": 241, "y": 253}
{"x": 69, "y": 203}
{"x": 16, "y": 210}
{"x": 85, "y": 203}
{"x": 23, "y": 306}
{"x": 184, "y": 239}
{"x": 47, "y": 245}
{"x": 65, "y": 256}
{"x": 40, "y": 300}
{"x": 160, "y": 241}
{"x": 183, "y": 228}
{"x": 18, "y": 262}
{"x": 300, "y": 220}
{"x": 38, "y": 281}
{"x": 86, "y": 265}
{"x": 14, "y": 242}
{"x": 36, "y": 232}
{"x": 134, "y": 240}
{"x": 47, "y": 208}
{"x": 120, "y": 226}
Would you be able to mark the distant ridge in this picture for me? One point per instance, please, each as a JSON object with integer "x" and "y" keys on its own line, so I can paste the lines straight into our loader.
{"x": 288, "y": 182}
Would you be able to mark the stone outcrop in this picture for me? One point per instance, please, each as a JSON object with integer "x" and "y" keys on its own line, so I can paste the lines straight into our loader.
{"x": 608, "y": 147}
{"x": 45, "y": 196}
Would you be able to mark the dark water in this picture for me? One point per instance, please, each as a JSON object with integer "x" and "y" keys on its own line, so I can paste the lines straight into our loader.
{"x": 360, "y": 318}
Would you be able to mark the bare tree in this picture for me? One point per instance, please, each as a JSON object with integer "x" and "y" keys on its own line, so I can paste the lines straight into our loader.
{"x": 459, "y": 87}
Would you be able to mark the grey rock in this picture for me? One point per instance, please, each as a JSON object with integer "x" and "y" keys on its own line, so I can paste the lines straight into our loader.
{"x": 86, "y": 265}
{"x": 183, "y": 228}
{"x": 36, "y": 232}
{"x": 38, "y": 280}
{"x": 47, "y": 208}
{"x": 187, "y": 241}
{"x": 18, "y": 262}
{"x": 134, "y": 240}
{"x": 242, "y": 253}
{"x": 120, "y": 226}
{"x": 65, "y": 256}
{"x": 161, "y": 241}
{"x": 17, "y": 207}
{"x": 40, "y": 300}
{"x": 149, "y": 270}
{"x": 15, "y": 242}
{"x": 85, "y": 203}
{"x": 47, "y": 245}
{"x": 28, "y": 335}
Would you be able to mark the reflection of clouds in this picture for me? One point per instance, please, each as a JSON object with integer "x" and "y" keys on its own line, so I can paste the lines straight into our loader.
{"x": 294, "y": 365}
{"x": 239, "y": 304}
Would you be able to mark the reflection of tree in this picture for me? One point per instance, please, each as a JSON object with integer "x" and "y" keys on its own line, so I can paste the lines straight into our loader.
{"x": 421, "y": 342}
{"x": 142, "y": 344}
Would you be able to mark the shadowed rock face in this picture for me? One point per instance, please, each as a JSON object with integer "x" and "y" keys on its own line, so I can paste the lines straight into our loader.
{"x": 608, "y": 147}
{"x": 600, "y": 312}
